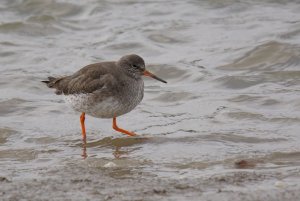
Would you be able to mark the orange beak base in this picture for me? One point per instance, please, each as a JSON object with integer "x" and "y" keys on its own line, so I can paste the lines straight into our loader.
{"x": 148, "y": 74}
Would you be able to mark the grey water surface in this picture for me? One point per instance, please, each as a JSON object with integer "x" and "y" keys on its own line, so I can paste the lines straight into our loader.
{"x": 225, "y": 127}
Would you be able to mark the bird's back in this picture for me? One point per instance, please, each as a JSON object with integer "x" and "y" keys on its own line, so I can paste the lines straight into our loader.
{"x": 100, "y": 90}
{"x": 87, "y": 80}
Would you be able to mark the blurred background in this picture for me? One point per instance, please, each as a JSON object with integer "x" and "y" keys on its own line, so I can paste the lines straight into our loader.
{"x": 225, "y": 127}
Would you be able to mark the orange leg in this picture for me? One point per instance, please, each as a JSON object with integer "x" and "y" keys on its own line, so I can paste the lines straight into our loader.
{"x": 82, "y": 118}
{"x": 120, "y": 129}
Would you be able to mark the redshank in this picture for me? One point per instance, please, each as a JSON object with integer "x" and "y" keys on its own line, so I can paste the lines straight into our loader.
{"x": 104, "y": 90}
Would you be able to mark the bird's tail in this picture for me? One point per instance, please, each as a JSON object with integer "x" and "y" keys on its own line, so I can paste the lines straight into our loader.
{"x": 51, "y": 81}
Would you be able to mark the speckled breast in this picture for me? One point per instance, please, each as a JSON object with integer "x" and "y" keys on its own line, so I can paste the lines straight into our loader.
{"x": 108, "y": 107}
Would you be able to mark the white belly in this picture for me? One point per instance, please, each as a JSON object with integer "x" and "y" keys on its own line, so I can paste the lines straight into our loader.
{"x": 108, "y": 108}
{"x": 98, "y": 105}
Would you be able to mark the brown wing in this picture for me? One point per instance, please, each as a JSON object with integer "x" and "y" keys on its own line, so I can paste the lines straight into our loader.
{"x": 94, "y": 77}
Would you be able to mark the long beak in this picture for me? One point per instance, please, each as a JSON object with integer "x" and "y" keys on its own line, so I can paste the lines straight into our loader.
{"x": 147, "y": 73}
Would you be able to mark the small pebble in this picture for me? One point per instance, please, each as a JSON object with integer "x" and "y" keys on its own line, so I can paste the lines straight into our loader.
{"x": 243, "y": 164}
{"x": 3, "y": 179}
{"x": 159, "y": 191}
{"x": 279, "y": 184}
{"x": 110, "y": 164}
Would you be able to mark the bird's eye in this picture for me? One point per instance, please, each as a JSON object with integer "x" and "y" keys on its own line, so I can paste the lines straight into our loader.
{"x": 134, "y": 66}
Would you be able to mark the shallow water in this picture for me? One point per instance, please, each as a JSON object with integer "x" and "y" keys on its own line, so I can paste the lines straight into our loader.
{"x": 226, "y": 126}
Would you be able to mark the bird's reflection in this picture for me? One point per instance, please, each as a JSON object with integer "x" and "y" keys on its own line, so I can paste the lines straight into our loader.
{"x": 118, "y": 153}
{"x": 84, "y": 153}
{"x": 117, "y": 144}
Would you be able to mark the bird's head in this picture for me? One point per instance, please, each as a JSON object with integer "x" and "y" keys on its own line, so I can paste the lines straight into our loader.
{"x": 134, "y": 65}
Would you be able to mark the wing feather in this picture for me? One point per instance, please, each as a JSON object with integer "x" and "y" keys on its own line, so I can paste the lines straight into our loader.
{"x": 92, "y": 78}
